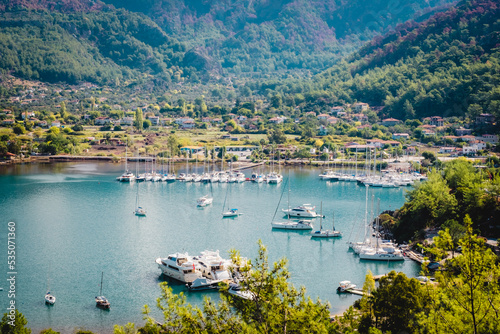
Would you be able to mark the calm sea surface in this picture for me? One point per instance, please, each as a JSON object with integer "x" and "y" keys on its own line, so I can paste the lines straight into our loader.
{"x": 74, "y": 221}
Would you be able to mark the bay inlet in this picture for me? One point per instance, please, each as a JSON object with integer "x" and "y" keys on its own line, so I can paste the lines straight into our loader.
{"x": 75, "y": 221}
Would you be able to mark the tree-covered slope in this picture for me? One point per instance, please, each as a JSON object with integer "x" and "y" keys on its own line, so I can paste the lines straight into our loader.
{"x": 447, "y": 65}
{"x": 102, "y": 46}
{"x": 261, "y": 36}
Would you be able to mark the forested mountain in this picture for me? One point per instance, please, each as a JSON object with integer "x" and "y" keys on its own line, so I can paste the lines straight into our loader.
{"x": 448, "y": 65}
{"x": 94, "y": 43}
{"x": 262, "y": 36}
{"x": 92, "y": 40}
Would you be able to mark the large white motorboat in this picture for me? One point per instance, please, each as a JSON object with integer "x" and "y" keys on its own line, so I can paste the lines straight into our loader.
{"x": 213, "y": 266}
{"x": 303, "y": 211}
{"x": 204, "y": 201}
{"x": 293, "y": 225}
{"x": 179, "y": 266}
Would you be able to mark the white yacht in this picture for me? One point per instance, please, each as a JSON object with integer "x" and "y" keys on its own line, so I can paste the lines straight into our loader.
{"x": 305, "y": 211}
{"x": 378, "y": 254}
{"x": 140, "y": 212}
{"x": 203, "y": 283}
{"x": 326, "y": 233}
{"x": 240, "y": 177}
{"x": 50, "y": 299}
{"x": 205, "y": 178}
{"x": 231, "y": 213}
{"x": 291, "y": 225}
{"x": 274, "y": 178}
{"x": 328, "y": 175}
{"x": 204, "y": 201}
{"x": 170, "y": 178}
{"x": 179, "y": 266}
{"x": 127, "y": 176}
{"x": 236, "y": 290}
{"x": 213, "y": 266}
{"x": 345, "y": 286}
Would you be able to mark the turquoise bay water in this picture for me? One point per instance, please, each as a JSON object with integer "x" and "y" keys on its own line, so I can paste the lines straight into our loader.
{"x": 74, "y": 221}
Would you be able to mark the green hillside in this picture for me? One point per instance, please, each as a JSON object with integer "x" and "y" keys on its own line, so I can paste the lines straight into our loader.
{"x": 447, "y": 65}
{"x": 105, "y": 47}
{"x": 260, "y": 38}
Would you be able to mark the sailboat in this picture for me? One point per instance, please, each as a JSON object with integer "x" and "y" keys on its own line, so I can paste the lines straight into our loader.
{"x": 229, "y": 212}
{"x": 49, "y": 298}
{"x": 291, "y": 225}
{"x": 325, "y": 233}
{"x": 139, "y": 211}
{"x": 101, "y": 301}
{"x": 127, "y": 175}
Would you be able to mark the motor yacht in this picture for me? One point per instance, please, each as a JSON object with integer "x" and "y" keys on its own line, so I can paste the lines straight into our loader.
{"x": 179, "y": 266}
{"x": 305, "y": 210}
{"x": 291, "y": 225}
{"x": 204, "y": 201}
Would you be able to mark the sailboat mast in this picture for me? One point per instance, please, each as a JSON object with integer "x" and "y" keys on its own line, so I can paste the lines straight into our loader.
{"x": 100, "y": 291}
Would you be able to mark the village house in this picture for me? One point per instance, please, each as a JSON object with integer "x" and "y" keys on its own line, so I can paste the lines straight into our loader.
{"x": 206, "y": 119}
{"x": 155, "y": 120}
{"x": 359, "y": 117}
{"x": 400, "y": 136}
{"x": 485, "y": 119}
{"x": 467, "y": 138}
{"x": 310, "y": 113}
{"x": 102, "y": 121}
{"x": 322, "y": 117}
{"x": 481, "y": 145}
{"x": 392, "y": 143}
{"x": 360, "y": 107}
{"x": 378, "y": 143}
{"x": 411, "y": 150}
{"x": 8, "y": 122}
{"x": 428, "y": 133}
{"x": 277, "y": 120}
{"x": 463, "y": 131}
{"x": 332, "y": 120}
{"x": 188, "y": 124}
{"x": 364, "y": 126}
{"x": 165, "y": 121}
{"x": 42, "y": 124}
{"x": 492, "y": 139}
{"x": 241, "y": 119}
{"x": 182, "y": 120}
{"x": 57, "y": 124}
{"x": 336, "y": 110}
{"x": 454, "y": 138}
{"x": 436, "y": 121}
{"x": 390, "y": 122}
{"x": 27, "y": 114}
{"x": 127, "y": 121}
{"x": 446, "y": 149}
